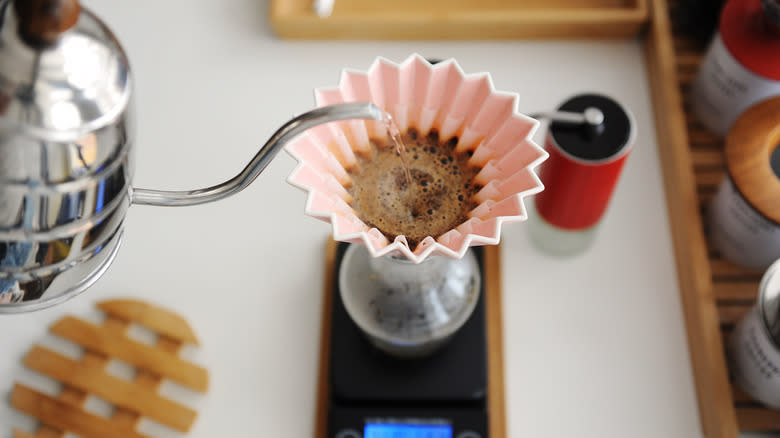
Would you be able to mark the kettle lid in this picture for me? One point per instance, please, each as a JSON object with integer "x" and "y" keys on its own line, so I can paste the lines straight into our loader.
{"x": 61, "y": 76}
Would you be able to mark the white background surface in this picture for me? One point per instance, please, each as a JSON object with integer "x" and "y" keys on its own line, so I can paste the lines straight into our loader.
{"x": 594, "y": 345}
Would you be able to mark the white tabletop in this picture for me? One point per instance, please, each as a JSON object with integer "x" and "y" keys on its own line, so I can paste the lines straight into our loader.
{"x": 595, "y": 345}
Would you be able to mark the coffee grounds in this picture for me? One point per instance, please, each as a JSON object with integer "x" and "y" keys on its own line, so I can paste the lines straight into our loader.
{"x": 440, "y": 196}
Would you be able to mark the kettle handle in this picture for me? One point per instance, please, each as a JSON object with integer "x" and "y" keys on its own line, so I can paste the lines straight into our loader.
{"x": 41, "y": 22}
{"x": 282, "y": 136}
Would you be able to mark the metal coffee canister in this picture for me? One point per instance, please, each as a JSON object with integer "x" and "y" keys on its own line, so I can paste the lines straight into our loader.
{"x": 581, "y": 173}
{"x": 754, "y": 346}
{"x": 744, "y": 215}
{"x": 742, "y": 65}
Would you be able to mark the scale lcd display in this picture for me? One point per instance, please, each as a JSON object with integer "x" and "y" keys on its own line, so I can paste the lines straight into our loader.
{"x": 401, "y": 430}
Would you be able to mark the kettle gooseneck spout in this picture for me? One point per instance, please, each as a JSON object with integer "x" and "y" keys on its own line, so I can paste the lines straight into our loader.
{"x": 263, "y": 157}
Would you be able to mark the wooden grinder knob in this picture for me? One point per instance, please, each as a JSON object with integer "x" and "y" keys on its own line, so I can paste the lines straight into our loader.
{"x": 749, "y": 146}
{"x": 41, "y": 22}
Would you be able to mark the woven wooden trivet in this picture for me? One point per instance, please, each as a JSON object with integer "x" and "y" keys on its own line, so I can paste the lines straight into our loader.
{"x": 132, "y": 400}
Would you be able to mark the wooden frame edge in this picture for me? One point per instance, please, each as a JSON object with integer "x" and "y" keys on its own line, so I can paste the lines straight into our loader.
{"x": 717, "y": 415}
{"x": 289, "y": 22}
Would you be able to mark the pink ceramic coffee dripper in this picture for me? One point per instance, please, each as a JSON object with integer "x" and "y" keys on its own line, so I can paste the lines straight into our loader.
{"x": 426, "y": 97}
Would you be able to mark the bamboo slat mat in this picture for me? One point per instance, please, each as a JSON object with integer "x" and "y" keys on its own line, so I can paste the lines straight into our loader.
{"x": 87, "y": 377}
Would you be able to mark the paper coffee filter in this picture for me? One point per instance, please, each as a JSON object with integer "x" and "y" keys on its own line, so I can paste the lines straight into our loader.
{"x": 426, "y": 97}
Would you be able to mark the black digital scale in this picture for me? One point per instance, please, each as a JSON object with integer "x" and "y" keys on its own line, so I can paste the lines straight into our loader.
{"x": 455, "y": 393}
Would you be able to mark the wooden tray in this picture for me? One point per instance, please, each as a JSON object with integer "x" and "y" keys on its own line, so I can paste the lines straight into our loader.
{"x": 495, "y": 341}
{"x": 84, "y": 378}
{"x": 460, "y": 19}
{"x": 715, "y": 293}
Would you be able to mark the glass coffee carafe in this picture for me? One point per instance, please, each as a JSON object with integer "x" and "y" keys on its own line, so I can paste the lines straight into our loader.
{"x": 408, "y": 309}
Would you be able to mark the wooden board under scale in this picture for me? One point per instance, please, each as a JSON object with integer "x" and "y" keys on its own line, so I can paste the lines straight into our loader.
{"x": 495, "y": 342}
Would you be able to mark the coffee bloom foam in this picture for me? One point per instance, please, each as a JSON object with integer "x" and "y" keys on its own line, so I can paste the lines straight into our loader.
{"x": 426, "y": 97}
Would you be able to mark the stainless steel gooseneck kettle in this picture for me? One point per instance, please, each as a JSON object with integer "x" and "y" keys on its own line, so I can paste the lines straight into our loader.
{"x": 66, "y": 151}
